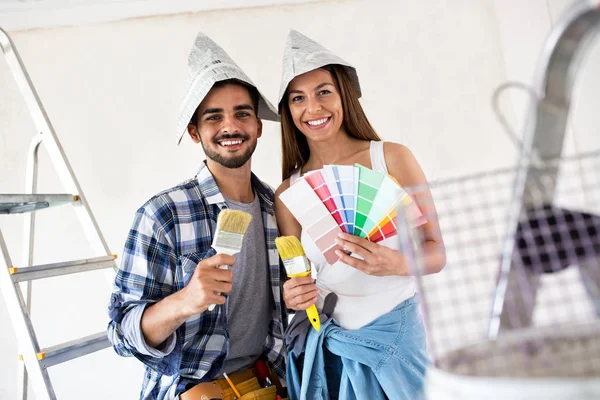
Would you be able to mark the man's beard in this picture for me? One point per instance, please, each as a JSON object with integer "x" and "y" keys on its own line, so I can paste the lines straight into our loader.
{"x": 230, "y": 162}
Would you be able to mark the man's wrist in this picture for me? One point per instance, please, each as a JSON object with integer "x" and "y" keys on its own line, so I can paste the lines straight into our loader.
{"x": 182, "y": 311}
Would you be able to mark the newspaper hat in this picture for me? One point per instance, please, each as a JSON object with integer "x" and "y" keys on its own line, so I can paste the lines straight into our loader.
{"x": 207, "y": 64}
{"x": 303, "y": 55}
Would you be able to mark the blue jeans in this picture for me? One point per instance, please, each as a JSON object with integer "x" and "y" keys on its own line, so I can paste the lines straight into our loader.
{"x": 385, "y": 359}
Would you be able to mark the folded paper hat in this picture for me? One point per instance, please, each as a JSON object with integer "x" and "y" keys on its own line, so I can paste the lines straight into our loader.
{"x": 302, "y": 55}
{"x": 208, "y": 64}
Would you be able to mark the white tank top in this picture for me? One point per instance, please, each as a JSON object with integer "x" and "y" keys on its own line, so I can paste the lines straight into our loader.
{"x": 361, "y": 298}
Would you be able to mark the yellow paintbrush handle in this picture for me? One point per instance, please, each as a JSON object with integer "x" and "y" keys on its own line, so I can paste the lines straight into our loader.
{"x": 313, "y": 317}
{"x": 313, "y": 314}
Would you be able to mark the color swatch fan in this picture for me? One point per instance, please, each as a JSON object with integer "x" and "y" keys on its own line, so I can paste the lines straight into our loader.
{"x": 352, "y": 199}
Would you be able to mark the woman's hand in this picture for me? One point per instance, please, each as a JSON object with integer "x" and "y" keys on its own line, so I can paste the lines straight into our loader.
{"x": 377, "y": 260}
{"x": 300, "y": 293}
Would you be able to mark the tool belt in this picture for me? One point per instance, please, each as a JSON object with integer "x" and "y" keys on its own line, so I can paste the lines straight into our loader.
{"x": 246, "y": 383}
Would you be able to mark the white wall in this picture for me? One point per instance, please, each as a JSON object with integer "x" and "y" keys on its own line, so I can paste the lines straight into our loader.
{"x": 523, "y": 30}
{"x": 112, "y": 92}
{"x": 21, "y": 15}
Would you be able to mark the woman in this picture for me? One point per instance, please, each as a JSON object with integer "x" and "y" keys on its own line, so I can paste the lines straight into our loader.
{"x": 378, "y": 350}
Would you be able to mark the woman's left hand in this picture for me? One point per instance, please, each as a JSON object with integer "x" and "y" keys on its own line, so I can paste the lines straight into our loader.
{"x": 377, "y": 260}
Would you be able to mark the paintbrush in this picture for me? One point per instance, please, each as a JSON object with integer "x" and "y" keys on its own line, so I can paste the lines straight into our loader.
{"x": 229, "y": 236}
{"x": 296, "y": 264}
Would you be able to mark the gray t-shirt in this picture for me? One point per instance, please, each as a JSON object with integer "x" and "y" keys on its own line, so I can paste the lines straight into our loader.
{"x": 250, "y": 299}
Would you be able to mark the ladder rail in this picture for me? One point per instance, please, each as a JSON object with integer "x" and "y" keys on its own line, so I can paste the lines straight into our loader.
{"x": 53, "y": 146}
{"x": 29, "y": 349}
{"x": 31, "y": 180}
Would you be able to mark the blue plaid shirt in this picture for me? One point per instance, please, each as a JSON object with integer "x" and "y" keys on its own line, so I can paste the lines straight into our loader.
{"x": 170, "y": 235}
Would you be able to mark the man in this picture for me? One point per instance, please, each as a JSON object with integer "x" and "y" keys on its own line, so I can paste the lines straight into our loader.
{"x": 169, "y": 276}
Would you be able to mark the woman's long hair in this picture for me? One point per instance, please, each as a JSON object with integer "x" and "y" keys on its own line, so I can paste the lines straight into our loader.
{"x": 294, "y": 147}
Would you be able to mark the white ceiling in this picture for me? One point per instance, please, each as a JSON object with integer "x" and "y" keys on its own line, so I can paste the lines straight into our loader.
{"x": 27, "y": 14}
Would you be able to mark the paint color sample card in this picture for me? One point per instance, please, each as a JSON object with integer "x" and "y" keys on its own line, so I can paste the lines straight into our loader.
{"x": 330, "y": 176}
{"x": 413, "y": 212}
{"x": 345, "y": 180}
{"x": 388, "y": 226}
{"x": 317, "y": 183}
{"x": 388, "y": 197}
{"x": 369, "y": 182}
{"x": 313, "y": 216}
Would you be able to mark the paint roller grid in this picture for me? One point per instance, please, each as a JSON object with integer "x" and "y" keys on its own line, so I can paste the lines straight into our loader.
{"x": 473, "y": 218}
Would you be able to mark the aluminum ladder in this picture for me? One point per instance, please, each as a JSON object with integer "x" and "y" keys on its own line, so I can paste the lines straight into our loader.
{"x": 35, "y": 361}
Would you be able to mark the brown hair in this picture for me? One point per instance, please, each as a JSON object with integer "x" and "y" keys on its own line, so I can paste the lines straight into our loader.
{"x": 294, "y": 147}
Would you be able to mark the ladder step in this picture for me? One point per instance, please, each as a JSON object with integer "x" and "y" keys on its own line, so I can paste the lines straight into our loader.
{"x": 23, "y": 203}
{"x": 61, "y": 268}
{"x": 73, "y": 349}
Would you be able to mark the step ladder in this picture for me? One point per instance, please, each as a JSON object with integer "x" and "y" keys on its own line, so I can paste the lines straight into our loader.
{"x": 35, "y": 361}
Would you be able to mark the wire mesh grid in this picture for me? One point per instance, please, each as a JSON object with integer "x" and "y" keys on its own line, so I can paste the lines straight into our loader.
{"x": 549, "y": 323}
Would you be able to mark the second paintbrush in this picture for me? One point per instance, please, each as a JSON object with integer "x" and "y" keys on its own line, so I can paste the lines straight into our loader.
{"x": 296, "y": 264}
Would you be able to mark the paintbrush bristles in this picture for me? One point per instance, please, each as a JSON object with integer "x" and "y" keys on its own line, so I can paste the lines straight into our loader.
{"x": 289, "y": 247}
{"x": 233, "y": 221}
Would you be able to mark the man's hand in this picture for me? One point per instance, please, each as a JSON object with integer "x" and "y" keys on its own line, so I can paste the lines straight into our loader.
{"x": 207, "y": 285}
{"x": 299, "y": 293}
{"x": 161, "y": 319}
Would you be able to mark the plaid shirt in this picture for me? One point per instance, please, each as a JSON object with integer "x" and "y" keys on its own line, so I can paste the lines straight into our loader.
{"x": 170, "y": 235}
